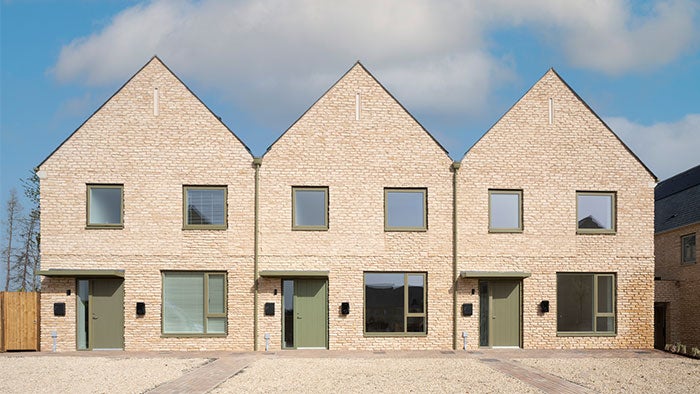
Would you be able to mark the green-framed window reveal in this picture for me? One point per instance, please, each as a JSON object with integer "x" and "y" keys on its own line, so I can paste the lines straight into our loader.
{"x": 595, "y": 212}
{"x": 586, "y": 304}
{"x": 405, "y": 209}
{"x": 505, "y": 211}
{"x": 688, "y": 249}
{"x": 105, "y": 206}
{"x": 309, "y": 208}
{"x": 395, "y": 303}
{"x": 194, "y": 303}
{"x": 205, "y": 207}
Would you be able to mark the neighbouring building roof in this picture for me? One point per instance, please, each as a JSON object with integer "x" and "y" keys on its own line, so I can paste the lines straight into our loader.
{"x": 677, "y": 201}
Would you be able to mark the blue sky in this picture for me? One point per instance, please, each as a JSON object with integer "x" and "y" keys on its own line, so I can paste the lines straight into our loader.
{"x": 457, "y": 66}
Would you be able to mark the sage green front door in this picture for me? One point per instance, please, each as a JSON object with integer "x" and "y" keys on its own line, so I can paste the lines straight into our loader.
{"x": 307, "y": 313}
{"x": 500, "y": 313}
{"x": 107, "y": 314}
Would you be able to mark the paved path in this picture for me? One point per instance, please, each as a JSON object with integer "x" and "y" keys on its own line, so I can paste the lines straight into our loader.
{"x": 206, "y": 377}
{"x": 534, "y": 377}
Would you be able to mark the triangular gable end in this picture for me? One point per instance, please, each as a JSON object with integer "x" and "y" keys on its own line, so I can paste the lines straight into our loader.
{"x": 572, "y": 91}
{"x": 364, "y": 69}
{"x": 155, "y": 58}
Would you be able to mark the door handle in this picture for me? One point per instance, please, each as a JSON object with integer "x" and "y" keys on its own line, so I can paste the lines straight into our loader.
{"x": 493, "y": 317}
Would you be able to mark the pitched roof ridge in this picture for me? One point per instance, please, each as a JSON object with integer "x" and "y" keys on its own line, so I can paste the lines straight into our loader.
{"x": 154, "y": 57}
{"x": 551, "y": 69}
{"x": 358, "y": 63}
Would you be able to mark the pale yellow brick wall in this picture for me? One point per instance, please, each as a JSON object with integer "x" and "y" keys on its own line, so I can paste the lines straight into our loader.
{"x": 356, "y": 160}
{"x": 550, "y": 162}
{"x": 153, "y": 156}
{"x": 679, "y": 286}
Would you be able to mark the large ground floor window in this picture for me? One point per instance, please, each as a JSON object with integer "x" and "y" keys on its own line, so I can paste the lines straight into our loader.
{"x": 395, "y": 303}
{"x": 585, "y": 303}
{"x": 194, "y": 303}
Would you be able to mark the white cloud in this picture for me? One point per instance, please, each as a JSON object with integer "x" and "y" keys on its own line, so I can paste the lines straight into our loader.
{"x": 666, "y": 148}
{"x": 433, "y": 55}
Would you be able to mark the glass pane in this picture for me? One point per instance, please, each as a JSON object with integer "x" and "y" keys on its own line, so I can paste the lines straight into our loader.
{"x": 288, "y": 294}
{"x": 505, "y": 211}
{"x": 595, "y": 211}
{"x": 415, "y": 324}
{"x": 483, "y": 314}
{"x": 205, "y": 206}
{"x": 574, "y": 302}
{"x": 105, "y": 205}
{"x": 83, "y": 318}
{"x": 384, "y": 302}
{"x": 310, "y": 207}
{"x": 689, "y": 248}
{"x": 216, "y": 294}
{"x": 605, "y": 294}
{"x": 405, "y": 209}
{"x": 605, "y": 324}
{"x": 415, "y": 294}
{"x": 183, "y": 303}
{"x": 216, "y": 325}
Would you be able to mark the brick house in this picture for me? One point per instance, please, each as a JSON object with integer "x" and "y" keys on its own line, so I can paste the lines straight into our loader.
{"x": 677, "y": 274}
{"x": 114, "y": 232}
{"x": 161, "y": 231}
{"x": 554, "y": 213}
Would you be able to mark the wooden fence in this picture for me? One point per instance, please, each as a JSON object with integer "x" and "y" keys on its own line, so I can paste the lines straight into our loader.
{"x": 19, "y": 321}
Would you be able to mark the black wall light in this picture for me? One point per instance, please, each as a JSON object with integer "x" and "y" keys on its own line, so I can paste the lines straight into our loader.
{"x": 269, "y": 309}
{"x": 140, "y": 308}
{"x": 544, "y": 306}
{"x": 467, "y": 309}
{"x": 59, "y": 309}
{"x": 344, "y": 308}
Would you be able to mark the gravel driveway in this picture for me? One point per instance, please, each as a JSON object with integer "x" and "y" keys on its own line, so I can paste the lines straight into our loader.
{"x": 44, "y": 374}
{"x": 482, "y": 372}
{"x": 630, "y": 375}
{"x": 357, "y": 375}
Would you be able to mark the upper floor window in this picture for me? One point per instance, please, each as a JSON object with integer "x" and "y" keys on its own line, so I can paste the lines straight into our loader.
{"x": 505, "y": 211}
{"x": 688, "y": 249}
{"x": 595, "y": 212}
{"x": 204, "y": 207}
{"x": 105, "y": 206}
{"x": 309, "y": 208}
{"x": 405, "y": 209}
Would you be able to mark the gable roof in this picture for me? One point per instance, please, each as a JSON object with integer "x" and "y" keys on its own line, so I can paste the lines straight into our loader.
{"x": 677, "y": 201}
{"x": 553, "y": 71}
{"x": 358, "y": 63}
{"x": 153, "y": 59}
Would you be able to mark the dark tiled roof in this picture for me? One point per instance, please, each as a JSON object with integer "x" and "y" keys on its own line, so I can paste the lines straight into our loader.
{"x": 677, "y": 201}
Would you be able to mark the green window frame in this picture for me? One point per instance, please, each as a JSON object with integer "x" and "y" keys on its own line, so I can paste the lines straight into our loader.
{"x": 389, "y": 193}
{"x": 188, "y": 220}
{"x": 199, "y": 310}
{"x": 688, "y": 249}
{"x": 506, "y": 192}
{"x": 91, "y": 218}
{"x": 588, "y": 224}
{"x": 295, "y": 200}
{"x": 594, "y": 307}
{"x": 414, "y": 314}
